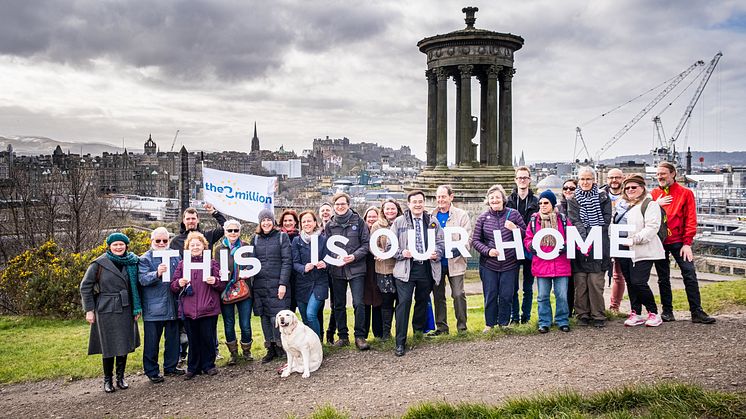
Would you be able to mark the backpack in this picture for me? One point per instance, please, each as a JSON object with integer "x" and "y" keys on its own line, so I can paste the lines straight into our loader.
{"x": 663, "y": 229}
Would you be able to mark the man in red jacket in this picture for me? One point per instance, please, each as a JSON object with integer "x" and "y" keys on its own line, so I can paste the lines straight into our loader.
{"x": 681, "y": 210}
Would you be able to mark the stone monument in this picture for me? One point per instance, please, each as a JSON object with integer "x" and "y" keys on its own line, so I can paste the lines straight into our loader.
{"x": 461, "y": 55}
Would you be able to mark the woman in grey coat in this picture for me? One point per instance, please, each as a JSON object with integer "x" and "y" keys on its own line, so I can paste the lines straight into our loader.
{"x": 112, "y": 305}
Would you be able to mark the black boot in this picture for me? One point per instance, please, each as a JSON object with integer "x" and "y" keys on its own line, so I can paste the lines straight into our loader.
{"x": 271, "y": 353}
{"x": 108, "y": 385}
{"x": 121, "y": 364}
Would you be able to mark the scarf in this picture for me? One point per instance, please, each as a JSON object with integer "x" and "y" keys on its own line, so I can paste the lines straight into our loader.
{"x": 590, "y": 207}
{"x": 232, "y": 249}
{"x": 343, "y": 219}
{"x": 130, "y": 261}
{"x": 548, "y": 221}
{"x": 307, "y": 237}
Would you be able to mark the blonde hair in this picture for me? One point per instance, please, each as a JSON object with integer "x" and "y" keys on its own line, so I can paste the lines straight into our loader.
{"x": 195, "y": 235}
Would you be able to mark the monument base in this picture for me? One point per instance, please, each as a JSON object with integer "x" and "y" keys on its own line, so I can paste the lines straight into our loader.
{"x": 469, "y": 184}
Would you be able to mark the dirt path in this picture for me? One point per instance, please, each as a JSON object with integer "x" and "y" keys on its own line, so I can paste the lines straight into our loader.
{"x": 380, "y": 384}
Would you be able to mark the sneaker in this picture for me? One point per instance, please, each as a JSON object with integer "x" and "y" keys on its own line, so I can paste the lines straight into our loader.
{"x": 584, "y": 321}
{"x": 634, "y": 319}
{"x": 217, "y": 355}
{"x": 667, "y": 316}
{"x": 700, "y": 316}
{"x": 599, "y": 323}
{"x": 653, "y": 320}
{"x": 487, "y": 329}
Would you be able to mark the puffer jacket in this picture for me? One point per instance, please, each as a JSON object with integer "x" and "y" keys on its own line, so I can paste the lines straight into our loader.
{"x": 315, "y": 281}
{"x": 274, "y": 253}
{"x": 357, "y": 232}
{"x": 645, "y": 241}
{"x": 586, "y": 263}
{"x": 542, "y": 268}
{"x": 158, "y": 302}
{"x": 204, "y": 300}
{"x": 483, "y": 240}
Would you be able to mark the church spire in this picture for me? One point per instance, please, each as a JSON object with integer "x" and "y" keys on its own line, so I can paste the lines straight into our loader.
{"x": 255, "y": 140}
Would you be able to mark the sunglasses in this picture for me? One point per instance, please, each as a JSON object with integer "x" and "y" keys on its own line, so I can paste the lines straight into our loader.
{"x": 232, "y": 230}
{"x": 568, "y": 188}
{"x": 160, "y": 240}
{"x": 631, "y": 187}
{"x": 544, "y": 203}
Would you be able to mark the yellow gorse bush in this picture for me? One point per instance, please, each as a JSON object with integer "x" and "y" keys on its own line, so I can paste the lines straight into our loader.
{"x": 44, "y": 281}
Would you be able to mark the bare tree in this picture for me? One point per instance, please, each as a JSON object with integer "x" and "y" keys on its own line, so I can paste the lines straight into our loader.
{"x": 87, "y": 211}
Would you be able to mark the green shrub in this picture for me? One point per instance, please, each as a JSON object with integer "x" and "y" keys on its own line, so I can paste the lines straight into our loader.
{"x": 44, "y": 281}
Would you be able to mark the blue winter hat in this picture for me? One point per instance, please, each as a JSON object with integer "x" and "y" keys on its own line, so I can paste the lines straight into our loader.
{"x": 117, "y": 237}
{"x": 549, "y": 195}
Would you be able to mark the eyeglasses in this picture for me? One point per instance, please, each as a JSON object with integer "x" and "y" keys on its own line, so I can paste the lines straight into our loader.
{"x": 544, "y": 202}
{"x": 232, "y": 230}
{"x": 341, "y": 204}
{"x": 616, "y": 177}
{"x": 631, "y": 187}
{"x": 568, "y": 188}
{"x": 522, "y": 178}
{"x": 160, "y": 240}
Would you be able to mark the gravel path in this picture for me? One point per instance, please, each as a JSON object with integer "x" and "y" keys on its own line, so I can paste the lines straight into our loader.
{"x": 379, "y": 384}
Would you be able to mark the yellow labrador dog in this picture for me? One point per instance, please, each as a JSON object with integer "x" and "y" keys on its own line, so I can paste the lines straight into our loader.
{"x": 301, "y": 344}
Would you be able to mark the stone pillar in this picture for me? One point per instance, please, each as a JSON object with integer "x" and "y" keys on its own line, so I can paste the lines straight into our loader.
{"x": 506, "y": 117}
{"x": 442, "y": 119}
{"x": 492, "y": 142}
{"x": 459, "y": 152}
{"x": 432, "y": 120}
{"x": 465, "y": 99}
{"x": 483, "y": 119}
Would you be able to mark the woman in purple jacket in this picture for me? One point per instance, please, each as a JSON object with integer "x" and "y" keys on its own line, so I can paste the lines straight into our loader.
{"x": 199, "y": 307}
{"x": 498, "y": 276}
{"x": 550, "y": 272}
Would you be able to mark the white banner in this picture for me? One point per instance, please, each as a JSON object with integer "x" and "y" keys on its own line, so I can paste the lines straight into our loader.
{"x": 238, "y": 195}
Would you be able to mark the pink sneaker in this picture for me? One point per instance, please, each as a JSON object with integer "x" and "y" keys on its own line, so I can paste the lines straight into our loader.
{"x": 634, "y": 319}
{"x": 653, "y": 320}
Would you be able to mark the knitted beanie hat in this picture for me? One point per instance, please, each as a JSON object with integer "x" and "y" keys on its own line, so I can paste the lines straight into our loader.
{"x": 549, "y": 195}
{"x": 117, "y": 237}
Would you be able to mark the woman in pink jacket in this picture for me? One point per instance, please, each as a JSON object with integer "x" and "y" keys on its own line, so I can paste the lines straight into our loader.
{"x": 550, "y": 273}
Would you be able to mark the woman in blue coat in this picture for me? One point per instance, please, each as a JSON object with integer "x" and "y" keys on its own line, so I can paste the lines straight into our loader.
{"x": 312, "y": 284}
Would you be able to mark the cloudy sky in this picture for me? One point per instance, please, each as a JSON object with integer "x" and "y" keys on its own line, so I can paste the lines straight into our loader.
{"x": 103, "y": 71}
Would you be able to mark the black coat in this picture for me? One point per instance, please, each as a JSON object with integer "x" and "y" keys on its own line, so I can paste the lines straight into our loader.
{"x": 526, "y": 208}
{"x": 212, "y": 236}
{"x": 114, "y": 333}
{"x": 315, "y": 281}
{"x": 357, "y": 232}
{"x": 583, "y": 263}
{"x": 273, "y": 251}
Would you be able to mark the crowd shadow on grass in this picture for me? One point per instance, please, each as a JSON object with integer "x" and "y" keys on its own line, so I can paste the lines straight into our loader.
{"x": 665, "y": 399}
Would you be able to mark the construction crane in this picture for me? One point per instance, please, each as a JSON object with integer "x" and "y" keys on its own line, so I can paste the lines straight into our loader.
{"x": 173, "y": 143}
{"x": 674, "y": 82}
{"x": 576, "y": 152}
{"x": 667, "y": 150}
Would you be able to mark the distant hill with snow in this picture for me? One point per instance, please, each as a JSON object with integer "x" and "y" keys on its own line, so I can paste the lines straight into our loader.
{"x": 33, "y": 146}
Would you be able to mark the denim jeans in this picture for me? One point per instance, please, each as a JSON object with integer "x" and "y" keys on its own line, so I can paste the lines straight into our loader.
{"x": 244, "y": 320}
{"x": 561, "y": 310}
{"x": 498, "y": 295}
{"x": 310, "y": 313}
{"x": 152, "y": 332}
{"x": 528, "y": 293}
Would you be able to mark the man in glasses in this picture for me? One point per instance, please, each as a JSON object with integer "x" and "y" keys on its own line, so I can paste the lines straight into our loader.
{"x": 159, "y": 310}
{"x": 613, "y": 188}
{"x": 681, "y": 212}
{"x": 526, "y": 203}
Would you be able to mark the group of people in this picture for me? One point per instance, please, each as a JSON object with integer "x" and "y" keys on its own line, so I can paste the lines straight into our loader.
{"x": 120, "y": 287}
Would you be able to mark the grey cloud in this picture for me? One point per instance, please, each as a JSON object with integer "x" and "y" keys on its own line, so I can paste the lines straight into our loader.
{"x": 187, "y": 41}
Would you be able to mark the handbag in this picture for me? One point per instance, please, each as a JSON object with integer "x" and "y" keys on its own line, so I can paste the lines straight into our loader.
{"x": 236, "y": 291}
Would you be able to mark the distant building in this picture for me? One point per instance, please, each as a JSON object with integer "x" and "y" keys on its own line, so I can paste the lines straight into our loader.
{"x": 290, "y": 169}
{"x": 255, "y": 141}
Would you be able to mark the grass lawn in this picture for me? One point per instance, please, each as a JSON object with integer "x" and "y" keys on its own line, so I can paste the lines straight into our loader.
{"x": 35, "y": 349}
{"x": 665, "y": 400}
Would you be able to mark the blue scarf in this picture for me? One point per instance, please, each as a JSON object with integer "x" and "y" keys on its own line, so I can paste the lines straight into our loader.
{"x": 129, "y": 260}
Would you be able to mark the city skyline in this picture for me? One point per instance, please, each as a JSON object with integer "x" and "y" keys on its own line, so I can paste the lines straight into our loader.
{"x": 100, "y": 72}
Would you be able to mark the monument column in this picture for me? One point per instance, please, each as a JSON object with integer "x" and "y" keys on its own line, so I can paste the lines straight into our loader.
{"x": 491, "y": 146}
{"x": 483, "y": 119}
{"x": 465, "y": 116}
{"x": 459, "y": 156}
{"x": 432, "y": 120}
{"x": 506, "y": 117}
{"x": 442, "y": 119}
